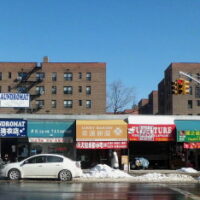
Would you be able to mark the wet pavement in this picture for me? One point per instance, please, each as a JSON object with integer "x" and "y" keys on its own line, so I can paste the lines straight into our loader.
{"x": 50, "y": 190}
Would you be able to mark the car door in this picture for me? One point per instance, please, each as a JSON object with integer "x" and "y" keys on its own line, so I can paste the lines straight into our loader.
{"x": 34, "y": 167}
{"x": 54, "y": 164}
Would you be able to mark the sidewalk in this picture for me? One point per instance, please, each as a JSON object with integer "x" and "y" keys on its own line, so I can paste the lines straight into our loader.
{"x": 161, "y": 171}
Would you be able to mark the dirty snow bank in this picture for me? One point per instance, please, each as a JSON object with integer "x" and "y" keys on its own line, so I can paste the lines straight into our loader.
{"x": 104, "y": 172}
{"x": 188, "y": 170}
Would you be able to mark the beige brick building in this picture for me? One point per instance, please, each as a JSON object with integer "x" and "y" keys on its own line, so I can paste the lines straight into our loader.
{"x": 56, "y": 88}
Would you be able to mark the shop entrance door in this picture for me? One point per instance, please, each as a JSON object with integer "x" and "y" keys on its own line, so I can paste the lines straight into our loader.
{"x": 8, "y": 147}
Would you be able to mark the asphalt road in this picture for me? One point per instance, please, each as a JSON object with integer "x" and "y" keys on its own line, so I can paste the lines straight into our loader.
{"x": 50, "y": 190}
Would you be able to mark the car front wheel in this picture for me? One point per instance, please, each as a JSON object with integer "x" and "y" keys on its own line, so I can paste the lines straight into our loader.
{"x": 14, "y": 174}
{"x": 65, "y": 175}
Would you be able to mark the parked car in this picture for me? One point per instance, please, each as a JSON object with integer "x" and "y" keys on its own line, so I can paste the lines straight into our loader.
{"x": 43, "y": 166}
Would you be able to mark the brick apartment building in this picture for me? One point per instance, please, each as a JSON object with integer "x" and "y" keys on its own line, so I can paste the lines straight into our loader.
{"x": 56, "y": 87}
{"x": 150, "y": 105}
{"x": 163, "y": 102}
{"x": 170, "y": 104}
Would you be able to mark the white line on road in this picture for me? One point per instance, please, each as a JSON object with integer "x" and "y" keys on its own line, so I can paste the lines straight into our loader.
{"x": 183, "y": 192}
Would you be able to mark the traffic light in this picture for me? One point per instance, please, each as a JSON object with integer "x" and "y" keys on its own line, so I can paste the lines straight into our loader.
{"x": 180, "y": 83}
{"x": 186, "y": 87}
{"x": 174, "y": 87}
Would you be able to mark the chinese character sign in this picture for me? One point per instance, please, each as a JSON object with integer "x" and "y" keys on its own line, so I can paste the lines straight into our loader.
{"x": 101, "y": 132}
{"x": 13, "y": 128}
{"x": 102, "y": 145}
{"x": 188, "y": 136}
{"x": 149, "y": 132}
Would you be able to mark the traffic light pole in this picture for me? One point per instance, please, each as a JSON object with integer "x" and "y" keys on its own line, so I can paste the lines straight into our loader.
{"x": 189, "y": 76}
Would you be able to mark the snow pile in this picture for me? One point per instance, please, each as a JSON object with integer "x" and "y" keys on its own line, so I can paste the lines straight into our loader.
{"x": 188, "y": 170}
{"x": 157, "y": 177}
{"x": 104, "y": 171}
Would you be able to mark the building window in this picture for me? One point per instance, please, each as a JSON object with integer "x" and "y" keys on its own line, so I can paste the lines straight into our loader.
{"x": 80, "y": 75}
{"x": 88, "y": 103}
{"x": 40, "y": 76}
{"x": 53, "y": 90}
{"x": 0, "y": 76}
{"x": 22, "y": 76}
{"x": 80, "y": 102}
{"x": 67, "y": 90}
{"x": 80, "y": 89}
{"x": 39, "y": 103}
{"x": 68, "y": 103}
{"x": 88, "y": 90}
{"x": 54, "y": 76}
{"x": 39, "y": 90}
{"x": 68, "y": 76}
{"x": 197, "y": 92}
{"x": 53, "y": 103}
{"x": 191, "y": 91}
{"x": 198, "y": 102}
{"x": 88, "y": 76}
{"x": 190, "y": 104}
{"x": 9, "y": 75}
{"x": 9, "y": 88}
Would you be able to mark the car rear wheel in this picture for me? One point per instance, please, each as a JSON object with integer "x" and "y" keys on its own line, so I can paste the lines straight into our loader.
{"x": 14, "y": 174}
{"x": 65, "y": 175}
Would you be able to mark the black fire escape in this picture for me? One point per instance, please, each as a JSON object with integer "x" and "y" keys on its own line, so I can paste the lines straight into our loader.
{"x": 23, "y": 84}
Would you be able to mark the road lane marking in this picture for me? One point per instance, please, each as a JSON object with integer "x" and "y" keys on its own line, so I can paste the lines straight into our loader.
{"x": 183, "y": 192}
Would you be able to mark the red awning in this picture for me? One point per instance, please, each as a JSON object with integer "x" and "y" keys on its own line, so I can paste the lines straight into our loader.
{"x": 102, "y": 145}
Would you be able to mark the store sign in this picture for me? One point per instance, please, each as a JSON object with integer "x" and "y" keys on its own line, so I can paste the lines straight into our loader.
{"x": 14, "y": 100}
{"x": 101, "y": 132}
{"x": 191, "y": 145}
{"x": 151, "y": 132}
{"x": 50, "y": 129}
{"x": 13, "y": 128}
{"x": 102, "y": 145}
{"x": 50, "y": 140}
{"x": 188, "y": 136}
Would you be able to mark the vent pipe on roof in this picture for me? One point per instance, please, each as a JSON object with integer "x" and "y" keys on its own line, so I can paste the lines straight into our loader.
{"x": 45, "y": 59}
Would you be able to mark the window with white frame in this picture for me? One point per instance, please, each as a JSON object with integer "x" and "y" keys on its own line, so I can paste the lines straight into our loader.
{"x": 67, "y": 90}
{"x": 68, "y": 76}
{"x": 39, "y": 103}
{"x": 53, "y": 90}
{"x": 88, "y": 90}
{"x": 53, "y": 103}
{"x": 53, "y": 76}
{"x": 40, "y": 76}
{"x": 88, "y": 76}
{"x": 88, "y": 103}
{"x": 39, "y": 90}
{"x": 68, "y": 103}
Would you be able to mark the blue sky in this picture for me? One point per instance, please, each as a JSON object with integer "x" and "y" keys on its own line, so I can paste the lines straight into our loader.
{"x": 137, "y": 39}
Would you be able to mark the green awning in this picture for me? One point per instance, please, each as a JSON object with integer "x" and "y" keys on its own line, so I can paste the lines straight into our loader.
{"x": 188, "y": 130}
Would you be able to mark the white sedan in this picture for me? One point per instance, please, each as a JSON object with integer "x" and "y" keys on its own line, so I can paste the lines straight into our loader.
{"x": 43, "y": 166}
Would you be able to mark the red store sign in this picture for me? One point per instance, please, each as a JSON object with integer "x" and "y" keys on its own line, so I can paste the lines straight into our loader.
{"x": 102, "y": 145}
{"x": 151, "y": 132}
{"x": 191, "y": 145}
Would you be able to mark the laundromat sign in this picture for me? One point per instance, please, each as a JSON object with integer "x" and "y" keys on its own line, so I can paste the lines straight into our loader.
{"x": 13, "y": 128}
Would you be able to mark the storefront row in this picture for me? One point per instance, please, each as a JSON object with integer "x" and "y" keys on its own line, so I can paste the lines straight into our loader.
{"x": 166, "y": 142}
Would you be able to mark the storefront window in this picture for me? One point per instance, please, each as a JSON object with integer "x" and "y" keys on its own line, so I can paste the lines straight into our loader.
{"x": 53, "y": 148}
